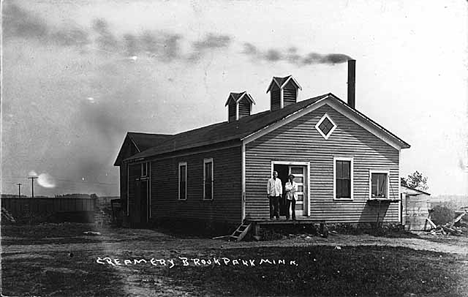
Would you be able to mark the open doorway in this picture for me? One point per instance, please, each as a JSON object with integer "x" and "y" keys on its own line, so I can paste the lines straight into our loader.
{"x": 299, "y": 170}
{"x": 283, "y": 172}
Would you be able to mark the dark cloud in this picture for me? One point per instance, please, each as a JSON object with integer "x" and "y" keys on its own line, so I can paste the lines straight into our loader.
{"x": 20, "y": 23}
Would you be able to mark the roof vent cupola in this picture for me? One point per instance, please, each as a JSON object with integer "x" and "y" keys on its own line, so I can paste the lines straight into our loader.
{"x": 239, "y": 105}
{"x": 283, "y": 92}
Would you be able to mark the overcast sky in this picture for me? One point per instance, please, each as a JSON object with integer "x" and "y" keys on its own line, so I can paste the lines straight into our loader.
{"x": 78, "y": 75}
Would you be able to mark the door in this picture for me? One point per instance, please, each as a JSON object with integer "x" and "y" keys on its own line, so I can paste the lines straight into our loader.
{"x": 143, "y": 197}
{"x": 300, "y": 178}
{"x": 139, "y": 214}
{"x": 284, "y": 169}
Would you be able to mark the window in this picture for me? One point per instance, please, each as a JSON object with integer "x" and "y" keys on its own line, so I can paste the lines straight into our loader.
{"x": 182, "y": 181}
{"x": 343, "y": 185}
{"x": 325, "y": 126}
{"x": 208, "y": 179}
{"x": 379, "y": 184}
{"x": 144, "y": 169}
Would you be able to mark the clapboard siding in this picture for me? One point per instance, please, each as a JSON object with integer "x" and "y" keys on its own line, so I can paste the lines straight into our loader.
{"x": 289, "y": 93}
{"x": 275, "y": 97}
{"x": 299, "y": 141}
{"x": 226, "y": 204}
{"x": 128, "y": 149}
{"x": 134, "y": 173}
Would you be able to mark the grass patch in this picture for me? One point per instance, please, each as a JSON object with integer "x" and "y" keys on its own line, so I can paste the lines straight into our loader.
{"x": 285, "y": 231}
{"x": 47, "y": 233}
{"x": 46, "y": 230}
{"x": 325, "y": 271}
{"x": 58, "y": 274}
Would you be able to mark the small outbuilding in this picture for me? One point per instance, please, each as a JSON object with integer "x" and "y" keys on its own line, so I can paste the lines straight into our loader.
{"x": 415, "y": 208}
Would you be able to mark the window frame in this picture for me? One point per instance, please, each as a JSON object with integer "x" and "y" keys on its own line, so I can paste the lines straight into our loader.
{"x": 206, "y": 161}
{"x": 182, "y": 164}
{"x": 144, "y": 169}
{"x": 387, "y": 172}
{"x": 351, "y": 173}
{"x": 317, "y": 126}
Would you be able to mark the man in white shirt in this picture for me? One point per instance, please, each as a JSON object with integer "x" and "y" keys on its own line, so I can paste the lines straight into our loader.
{"x": 274, "y": 192}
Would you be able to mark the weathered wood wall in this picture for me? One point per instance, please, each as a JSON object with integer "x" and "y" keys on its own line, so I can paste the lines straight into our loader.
{"x": 300, "y": 141}
{"x": 226, "y": 204}
{"x": 19, "y": 207}
{"x": 415, "y": 211}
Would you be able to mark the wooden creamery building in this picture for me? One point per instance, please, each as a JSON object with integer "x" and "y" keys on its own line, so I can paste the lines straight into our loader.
{"x": 346, "y": 165}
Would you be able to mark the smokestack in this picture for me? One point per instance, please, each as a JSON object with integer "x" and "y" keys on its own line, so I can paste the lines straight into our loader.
{"x": 351, "y": 83}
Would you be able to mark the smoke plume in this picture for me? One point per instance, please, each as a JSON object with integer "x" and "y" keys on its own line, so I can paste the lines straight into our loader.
{"x": 291, "y": 56}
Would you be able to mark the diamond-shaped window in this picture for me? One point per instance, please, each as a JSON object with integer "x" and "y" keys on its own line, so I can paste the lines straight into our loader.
{"x": 325, "y": 126}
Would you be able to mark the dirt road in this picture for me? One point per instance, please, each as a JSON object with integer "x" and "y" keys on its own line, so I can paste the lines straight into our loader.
{"x": 164, "y": 245}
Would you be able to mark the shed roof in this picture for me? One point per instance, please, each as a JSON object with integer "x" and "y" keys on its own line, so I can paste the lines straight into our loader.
{"x": 142, "y": 142}
{"x": 413, "y": 191}
{"x": 240, "y": 129}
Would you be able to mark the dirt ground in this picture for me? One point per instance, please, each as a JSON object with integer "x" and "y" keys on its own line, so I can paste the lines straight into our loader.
{"x": 115, "y": 242}
{"x": 162, "y": 244}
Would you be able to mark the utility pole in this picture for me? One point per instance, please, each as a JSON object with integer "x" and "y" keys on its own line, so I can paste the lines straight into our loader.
{"x": 19, "y": 190}
{"x": 32, "y": 185}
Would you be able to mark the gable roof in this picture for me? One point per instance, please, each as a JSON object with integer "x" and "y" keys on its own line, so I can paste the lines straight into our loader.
{"x": 144, "y": 141}
{"x": 247, "y": 126}
{"x": 141, "y": 141}
{"x": 238, "y": 97}
{"x": 282, "y": 81}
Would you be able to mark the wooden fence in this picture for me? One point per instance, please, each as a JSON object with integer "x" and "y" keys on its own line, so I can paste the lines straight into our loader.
{"x": 20, "y": 207}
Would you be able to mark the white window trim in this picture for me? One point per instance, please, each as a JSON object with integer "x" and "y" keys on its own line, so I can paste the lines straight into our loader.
{"x": 186, "y": 182}
{"x": 128, "y": 190}
{"x": 325, "y": 116}
{"x": 370, "y": 184}
{"x": 210, "y": 160}
{"x": 143, "y": 165}
{"x": 351, "y": 159}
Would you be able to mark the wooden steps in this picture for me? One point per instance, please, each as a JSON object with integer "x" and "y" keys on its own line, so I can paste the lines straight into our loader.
{"x": 240, "y": 232}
